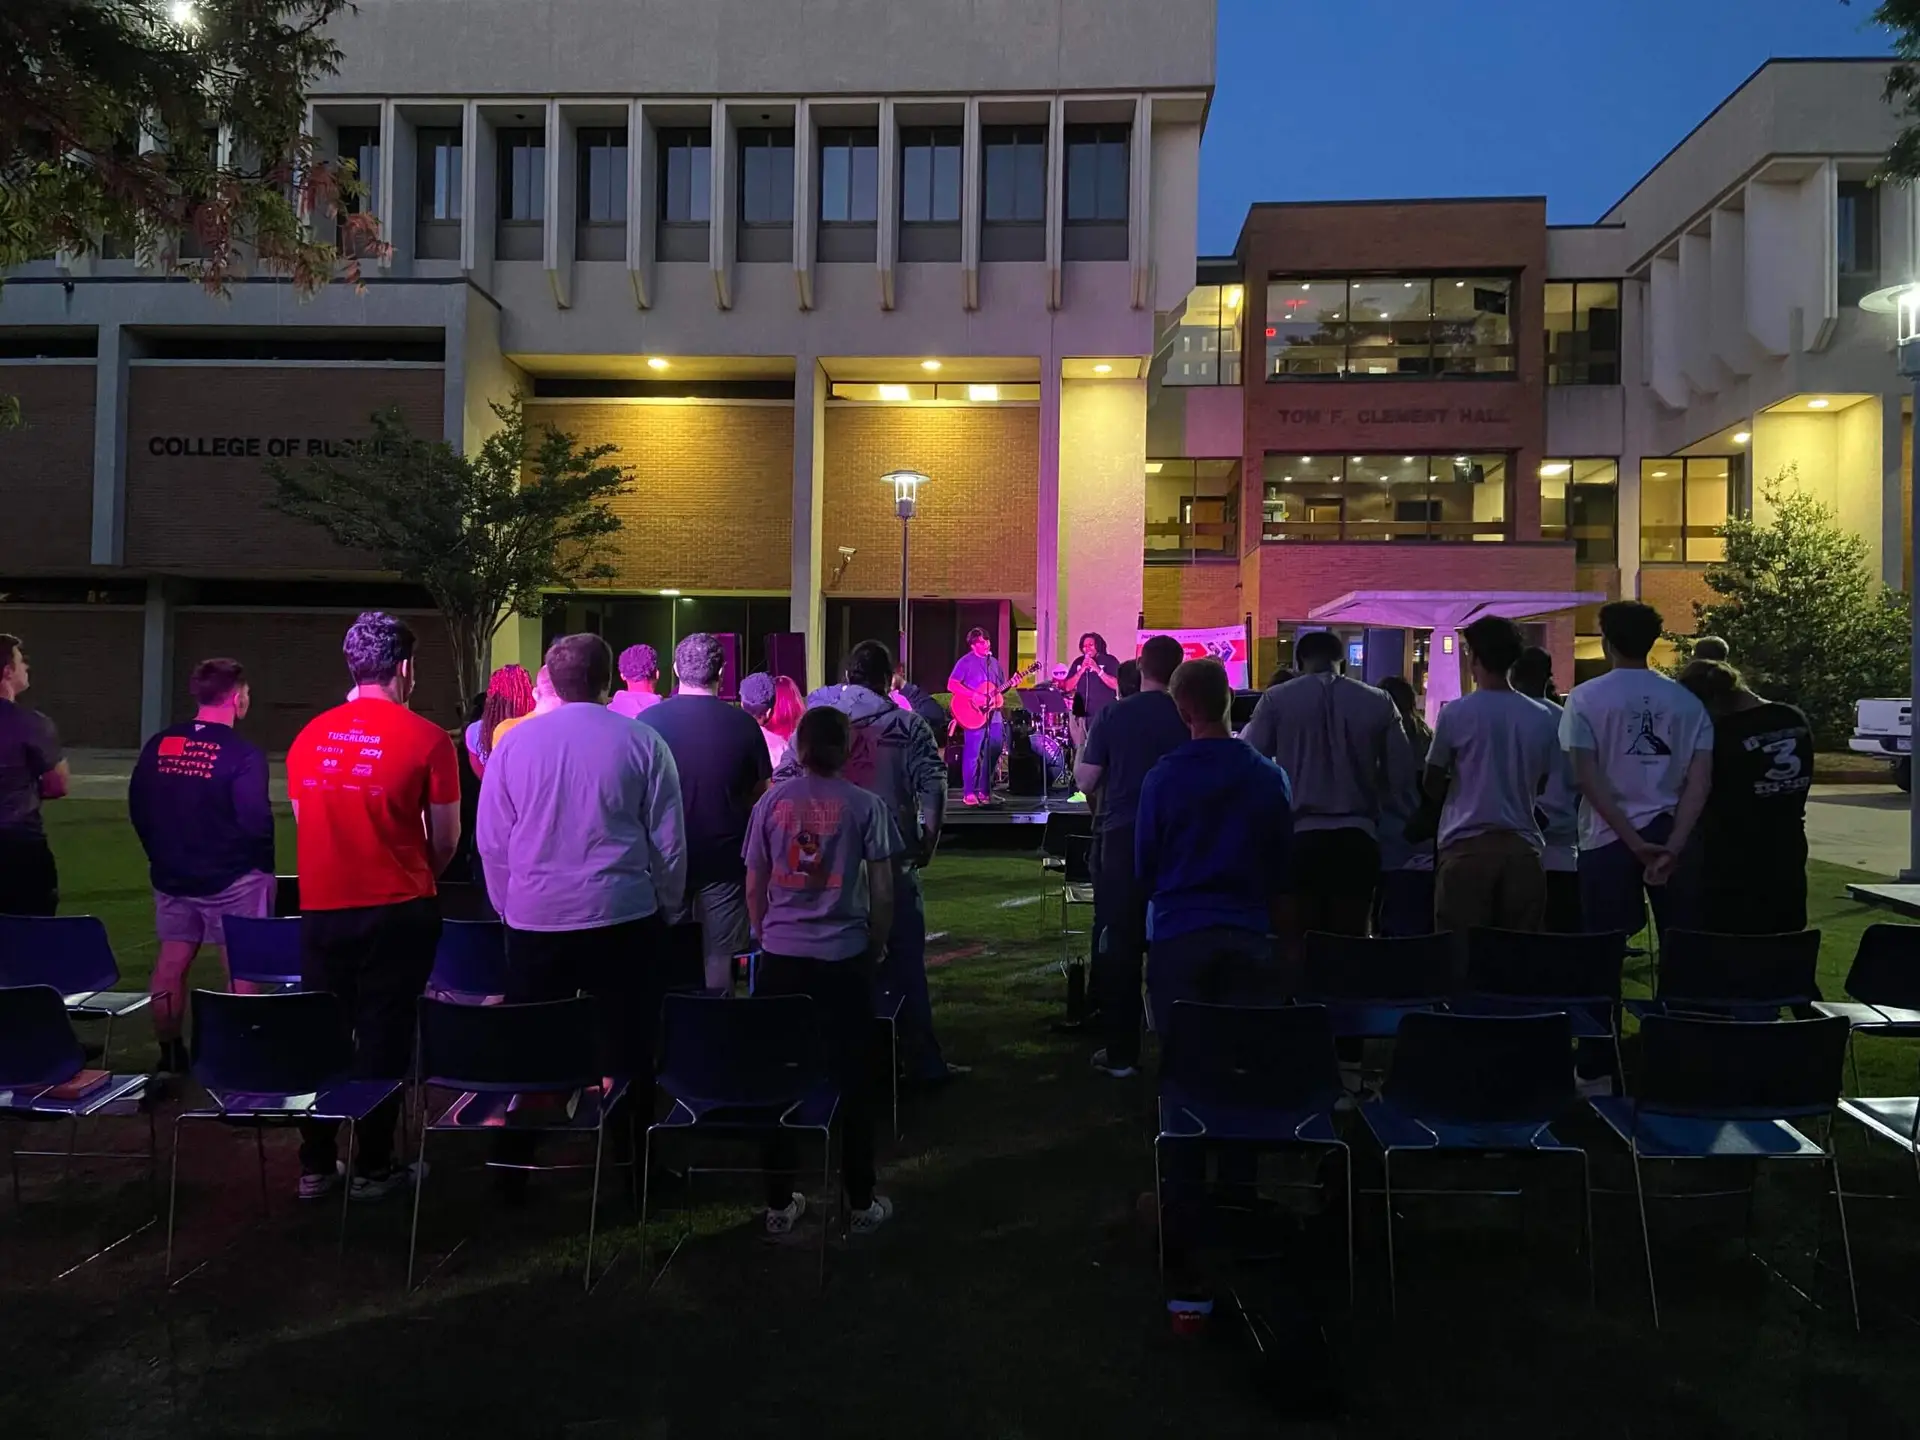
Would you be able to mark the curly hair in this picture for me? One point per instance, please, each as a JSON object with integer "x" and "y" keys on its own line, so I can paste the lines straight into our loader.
{"x": 377, "y": 645}
{"x": 509, "y": 696}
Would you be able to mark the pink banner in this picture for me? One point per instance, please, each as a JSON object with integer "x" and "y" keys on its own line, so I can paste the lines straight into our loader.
{"x": 1225, "y": 643}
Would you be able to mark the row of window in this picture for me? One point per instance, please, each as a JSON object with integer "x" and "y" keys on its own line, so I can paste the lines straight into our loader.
{"x": 1013, "y": 180}
{"x": 1404, "y": 326}
{"x": 1193, "y": 506}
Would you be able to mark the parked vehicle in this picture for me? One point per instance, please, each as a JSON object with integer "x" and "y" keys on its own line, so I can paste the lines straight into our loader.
{"x": 1885, "y": 727}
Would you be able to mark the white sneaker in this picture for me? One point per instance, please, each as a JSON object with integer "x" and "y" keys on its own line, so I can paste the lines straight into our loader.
{"x": 318, "y": 1187}
{"x": 866, "y": 1221}
{"x": 396, "y": 1177}
{"x": 1118, "y": 1072}
{"x": 1599, "y": 1087}
{"x": 782, "y": 1221}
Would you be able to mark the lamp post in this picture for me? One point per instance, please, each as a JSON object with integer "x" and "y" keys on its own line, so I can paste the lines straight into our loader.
{"x": 906, "y": 503}
{"x": 1903, "y": 303}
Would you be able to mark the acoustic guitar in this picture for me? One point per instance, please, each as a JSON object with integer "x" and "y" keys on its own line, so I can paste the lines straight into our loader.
{"x": 971, "y": 714}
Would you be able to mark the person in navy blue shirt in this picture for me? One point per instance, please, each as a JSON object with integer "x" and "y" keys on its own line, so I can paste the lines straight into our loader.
{"x": 198, "y": 799}
{"x": 1211, "y": 852}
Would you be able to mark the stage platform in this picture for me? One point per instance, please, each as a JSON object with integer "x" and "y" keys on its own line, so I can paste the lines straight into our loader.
{"x": 1014, "y": 822}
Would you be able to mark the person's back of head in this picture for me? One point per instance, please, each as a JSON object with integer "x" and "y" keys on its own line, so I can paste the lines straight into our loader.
{"x": 1129, "y": 678}
{"x": 1281, "y": 675}
{"x": 1494, "y": 643}
{"x": 1159, "y": 658}
{"x": 1712, "y": 647}
{"x": 699, "y": 661}
{"x": 1202, "y": 694}
{"x": 1714, "y": 683}
{"x": 1532, "y": 673}
{"x": 639, "y": 665}
{"x": 220, "y": 686}
{"x": 824, "y": 739}
{"x": 757, "y": 694}
{"x": 579, "y": 668}
{"x": 379, "y": 651}
{"x": 509, "y": 696}
{"x": 870, "y": 666}
{"x": 1629, "y": 629}
{"x": 1318, "y": 652}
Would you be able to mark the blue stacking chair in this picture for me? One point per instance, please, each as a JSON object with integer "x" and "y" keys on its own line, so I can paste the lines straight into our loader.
{"x": 470, "y": 963}
{"x": 39, "y": 1053}
{"x": 741, "y": 1068}
{"x": 72, "y": 954}
{"x": 1251, "y": 1077}
{"x": 1477, "y": 1084}
{"x": 887, "y": 1006}
{"x": 495, "y": 1056}
{"x": 1369, "y": 985}
{"x": 1883, "y": 988}
{"x": 272, "y": 1062}
{"x": 263, "y": 952}
{"x": 1515, "y": 972}
{"x": 1733, "y": 977}
{"x": 1715, "y": 1089}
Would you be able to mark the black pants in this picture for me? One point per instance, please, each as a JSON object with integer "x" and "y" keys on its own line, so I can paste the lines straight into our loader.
{"x": 376, "y": 958}
{"x": 842, "y": 994}
{"x": 624, "y": 967}
{"x": 1755, "y": 884}
{"x": 1119, "y": 945}
{"x": 1563, "y": 902}
{"x": 1335, "y": 873}
{"x": 29, "y": 882}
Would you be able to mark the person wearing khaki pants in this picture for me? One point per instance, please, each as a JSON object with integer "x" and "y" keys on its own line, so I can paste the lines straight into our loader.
{"x": 1493, "y": 753}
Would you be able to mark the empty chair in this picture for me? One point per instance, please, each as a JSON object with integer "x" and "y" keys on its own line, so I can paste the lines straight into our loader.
{"x": 1714, "y": 1089}
{"x": 1514, "y": 972}
{"x": 1477, "y": 1084}
{"x": 1370, "y": 985}
{"x": 44, "y": 1080}
{"x": 743, "y": 1068}
{"x": 263, "y": 952}
{"x": 1738, "y": 977}
{"x": 470, "y": 963}
{"x": 1250, "y": 1077}
{"x": 496, "y": 1057}
{"x": 72, "y": 954}
{"x": 1883, "y": 988}
{"x": 274, "y": 1062}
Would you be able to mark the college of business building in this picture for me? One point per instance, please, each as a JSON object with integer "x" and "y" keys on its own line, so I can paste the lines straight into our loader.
{"x": 772, "y": 253}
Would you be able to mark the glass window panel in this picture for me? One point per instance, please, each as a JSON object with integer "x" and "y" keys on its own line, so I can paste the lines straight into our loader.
{"x": 863, "y": 202}
{"x": 1083, "y": 180}
{"x": 1597, "y": 320}
{"x": 1002, "y": 190}
{"x": 836, "y": 183}
{"x": 756, "y": 183}
{"x": 1557, "y": 320}
{"x": 1301, "y": 497}
{"x": 1408, "y": 491}
{"x": 1306, "y": 332}
{"x": 1389, "y": 327}
{"x": 1708, "y": 501}
{"x": 1662, "y": 510}
{"x": 700, "y": 197}
{"x": 1113, "y": 177}
{"x": 1031, "y": 181}
{"x": 1369, "y": 512}
{"x": 916, "y": 183}
{"x": 1472, "y": 326}
{"x": 1593, "y": 511}
{"x": 1167, "y": 491}
{"x": 946, "y": 181}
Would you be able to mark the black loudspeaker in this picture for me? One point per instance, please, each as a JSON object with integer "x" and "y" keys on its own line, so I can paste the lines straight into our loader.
{"x": 730, "y": 667}
{"x": 787, "y": 655}
{"x": 1026, "y": 774}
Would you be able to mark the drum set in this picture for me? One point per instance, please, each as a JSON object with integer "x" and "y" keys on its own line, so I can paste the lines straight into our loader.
{"x": 1043, "y": 729}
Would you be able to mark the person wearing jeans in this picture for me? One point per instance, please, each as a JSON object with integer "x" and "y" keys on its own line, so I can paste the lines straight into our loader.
{"x": 376, "y": 802}
{"x": 979, "y": 675}
{"x": 818, "y": 855}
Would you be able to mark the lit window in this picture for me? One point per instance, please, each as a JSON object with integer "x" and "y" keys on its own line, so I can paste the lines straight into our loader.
{"x": 1583, "y": 332}
{"x": 1385, "y": 497}
{"x": 1580, "y": 502}
{"x": 1395, "y": 326}
{"x": 1685, "y": 504}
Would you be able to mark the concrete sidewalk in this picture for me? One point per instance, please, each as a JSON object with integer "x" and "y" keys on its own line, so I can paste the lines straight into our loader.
{"x": 1864, "y": 826}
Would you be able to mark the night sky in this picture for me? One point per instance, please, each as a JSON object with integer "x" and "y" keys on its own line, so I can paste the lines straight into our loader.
{"x": 1365, "y": 99}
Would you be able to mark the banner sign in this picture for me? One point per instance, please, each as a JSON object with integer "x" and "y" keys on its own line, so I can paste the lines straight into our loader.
{"x": 1225, "y": 643}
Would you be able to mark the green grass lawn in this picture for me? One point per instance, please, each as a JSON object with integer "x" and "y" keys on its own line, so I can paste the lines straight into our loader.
{"x": 1015, "y": 1296}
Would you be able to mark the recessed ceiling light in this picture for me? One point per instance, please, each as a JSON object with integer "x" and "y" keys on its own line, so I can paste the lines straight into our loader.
{"x": 895, "y": 392}
{"x": 1459, "y": 284}
{"x": 1306, "y": 287}
{"x": 1385, "y": 316}
{"x": 1555, "y": 467}
{"x": 669, "y": 592}
{"x": 1459, "y": 459}
{"x": 1153, "y": 467}
{"x": 983, "y": 392}
{"x": 1359, "y": 459}
{"x": 1818, "y": 404}
{"x": 1659, "y": 474}
{"x": 1103, "y": 369}
{"x": 1406, "y": 459}
{"x": 930, "y": 365}
{"x": 1740, "y": 437}
{"x": 1407, "y": 286}
{"x": 656, "y": 363}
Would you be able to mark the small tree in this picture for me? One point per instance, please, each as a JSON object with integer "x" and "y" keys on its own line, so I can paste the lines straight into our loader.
{"x": 483, "y": 534}
{"x": 1806, "y": 619}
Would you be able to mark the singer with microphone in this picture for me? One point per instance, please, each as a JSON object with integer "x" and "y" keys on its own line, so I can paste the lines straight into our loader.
{"x": 1094, "y": 680}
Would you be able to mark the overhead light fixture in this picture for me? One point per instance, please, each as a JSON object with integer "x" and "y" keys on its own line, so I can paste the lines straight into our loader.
{"x": 1554, "y": 468}
{"x": 1234, "y": 296}
{"x": 987, "y": 394}
{"x": 1818, "y": 404}
{"x": 895, "y": 392}
{"x": 1154, "y": 467}
{"x": 669, "y": 592}
{"x": 1406, "y": 459}
{"x": 1459, "y": 284}
{"x": 1306, "y": 287}
{"x": 1385, "y": 316}
{"x": 656, "y": 363}
{"x": 1103, "y": 369}
{"x": 1740, "y": 437}
{"x": 930, "y": 366}
{"x": 1407, "y": 286}
{"x": 1459, "y": 459}
{"x": 1659, "y": 474}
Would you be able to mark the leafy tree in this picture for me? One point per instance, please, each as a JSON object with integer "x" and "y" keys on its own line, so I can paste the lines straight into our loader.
{"x": 483, "y": 534}
{"x": 1807, "y": 620}
{"x": 147, "y": 120}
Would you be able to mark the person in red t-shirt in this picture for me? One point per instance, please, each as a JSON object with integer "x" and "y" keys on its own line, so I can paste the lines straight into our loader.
{"x": 376, "y": 798}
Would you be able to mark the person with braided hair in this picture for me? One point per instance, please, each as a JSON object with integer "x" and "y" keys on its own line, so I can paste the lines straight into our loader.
{"x": 509, "y": 697}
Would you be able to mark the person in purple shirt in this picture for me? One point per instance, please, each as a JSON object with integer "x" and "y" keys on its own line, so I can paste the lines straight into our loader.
{"x": 640, "y": 668}
{"x": 32, "y": 771}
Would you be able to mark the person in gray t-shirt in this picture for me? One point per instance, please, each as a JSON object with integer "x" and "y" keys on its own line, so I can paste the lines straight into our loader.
{"x": 820, "y": 900}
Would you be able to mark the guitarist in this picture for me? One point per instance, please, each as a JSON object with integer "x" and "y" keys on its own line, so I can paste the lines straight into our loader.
{"x": 979, "y": 676}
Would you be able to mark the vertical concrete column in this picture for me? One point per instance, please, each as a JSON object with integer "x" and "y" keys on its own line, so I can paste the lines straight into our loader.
{"x": 561, "y": 203}
{"x": 1893, "y": 471}
{"x": 972, "y": 203}
{"x": 156, "y": 657}
{"x": 887, "y": 238}
{"x": 110, "y": 379}
{"x": 806, "y": 613}
{"x": 723, "y": 211}
{"x": 1102, "y": 455}
{"x": 1049, "y": 584}
{"x": 1056, "y": 198}
{"x": 643, "y": 204}
{"x": 806, "y": 202}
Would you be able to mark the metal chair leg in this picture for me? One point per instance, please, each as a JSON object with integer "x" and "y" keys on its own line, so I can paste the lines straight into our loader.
{"x": 260, "y": 1149}
{"x": 1160, "y": 1210}
{"x": 893, "y": 1043}
{"x": 1853, "y": 1062}
{"x": 173, "y": 1192}
{"x": 1646, "y": 1236}
{"x": 346, "y": 1184}
{"x": 419, "y": 1186}
{"x": 830, "y": 1196}
{"x": 1586, "y": 1195}
{"x": 73, "y": 1144}
{"x": 593, "y": 1206}
{"x": 1846, "y": 1240}
{"x": 646, "y": 1182}
{"x": 1346, "y": 1152}
{"x": 1393, "y": 1273}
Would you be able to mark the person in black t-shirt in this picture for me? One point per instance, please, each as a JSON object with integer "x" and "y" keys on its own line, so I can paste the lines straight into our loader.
{"x": 1754, "y": 830}
{"x": 1094, "y": 679}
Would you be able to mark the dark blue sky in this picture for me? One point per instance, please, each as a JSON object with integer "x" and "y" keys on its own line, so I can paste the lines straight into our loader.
{"x": 1363, "y": 99}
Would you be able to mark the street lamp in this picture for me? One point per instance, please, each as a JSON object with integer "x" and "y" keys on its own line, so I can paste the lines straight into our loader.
{"x": 1903, "y": 303}
{"x": 906, "y": 504}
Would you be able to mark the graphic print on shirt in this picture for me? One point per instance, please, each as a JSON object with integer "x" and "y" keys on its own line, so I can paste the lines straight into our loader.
{"x": 1786, "y": 772}
{"x": 182, "y": 756}
{"x": 349, "y": 762}
{"x": 808, "y": 826}
{"x": 1645, "y": 743}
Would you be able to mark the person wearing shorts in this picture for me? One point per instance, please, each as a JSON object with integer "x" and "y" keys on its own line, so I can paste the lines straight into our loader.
{"x": 198, "y": 798}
